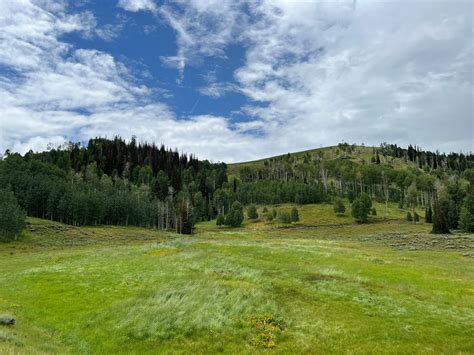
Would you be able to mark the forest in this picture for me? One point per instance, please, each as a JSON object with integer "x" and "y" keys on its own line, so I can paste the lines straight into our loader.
{"x": 114, "y": 182}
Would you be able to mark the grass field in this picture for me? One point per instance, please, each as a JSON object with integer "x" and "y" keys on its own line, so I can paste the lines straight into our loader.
{"x": 385, "y": 287}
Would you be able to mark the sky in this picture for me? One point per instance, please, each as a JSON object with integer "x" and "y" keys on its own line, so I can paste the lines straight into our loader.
{"x": 232, "y": 80}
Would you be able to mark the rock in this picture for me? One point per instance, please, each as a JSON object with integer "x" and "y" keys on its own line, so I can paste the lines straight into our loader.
{"x": 7, "y": 320}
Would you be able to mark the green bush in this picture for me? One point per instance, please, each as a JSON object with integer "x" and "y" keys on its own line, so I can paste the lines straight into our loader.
{"x": 284, "y": 217}
{"x": 12, "y": 216}
{"x": 409, "y": 217}
{"x": 235, "y": 217}
{"x": 374, "y": 211}
{"x": 339, "y": 207}
{"x": 252, "y": 212}
{"x": 220, "y": 220}
{"x": 361, "y": 208}
{"x": 295, "y": 216}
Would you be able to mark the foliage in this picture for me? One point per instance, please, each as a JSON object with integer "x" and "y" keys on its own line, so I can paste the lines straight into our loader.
{"x": 339, "y": 207}
{"x": 361, "y": 208}
{"x": 12, "y": 216}
{"x": 466, "y": 220}
{"x": 409, "y": 217}
{"x": 439, "y": 223}
{"x": 220, "y": 220}
{"x": 374, "y": 211}
{"x": 295, "y": 217}
{"x": 252, "y": 212}
{"x": 235, "y": 217}
{"x": 284, "y": 217}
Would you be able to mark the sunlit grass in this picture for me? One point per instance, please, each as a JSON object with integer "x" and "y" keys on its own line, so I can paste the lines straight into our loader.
{"x": 329, "y": 289}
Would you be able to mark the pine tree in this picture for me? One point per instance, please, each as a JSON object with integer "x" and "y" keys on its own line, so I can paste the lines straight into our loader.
{"x": 361, "y": 208}
{"x": 339, "y": 207}
{"x": 12, "y": 216}
{"x": 466, "y": 219}
{"x": 295, "y": 217}
{"x": 439, "y": 223}
{"x": 252, "y": 212}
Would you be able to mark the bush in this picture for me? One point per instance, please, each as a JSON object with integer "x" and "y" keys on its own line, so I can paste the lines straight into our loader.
{"x": 265, "y": 210}
{"x": 361, "y": 208}
{"x": 284, "y": 217}
{"x": 12, "y": 216}
{"x": 295, "y": 216}
{"x": 252, "y": 212}
{"x": 374, "y": 212}
{"x": 235, "y": 217}
{"x": 269, "y": 217}
{"x": 339, "y": 207}
{"x": 220, "y": 220}
{"x": 409, "y": 217}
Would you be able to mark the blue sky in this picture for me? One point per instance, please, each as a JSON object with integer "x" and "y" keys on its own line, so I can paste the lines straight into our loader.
{"x": 234, "y": 80}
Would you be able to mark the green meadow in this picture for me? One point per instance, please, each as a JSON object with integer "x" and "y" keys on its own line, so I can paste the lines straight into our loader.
{"x": 323, "y": 285}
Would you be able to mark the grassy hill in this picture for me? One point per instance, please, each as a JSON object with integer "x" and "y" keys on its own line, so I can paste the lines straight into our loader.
{"x": 360, "y": 154}
{"x": 388, "y": 286}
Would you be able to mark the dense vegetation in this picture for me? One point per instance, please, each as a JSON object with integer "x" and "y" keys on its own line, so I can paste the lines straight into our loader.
{"x": 114, "y": 182}
{"x": 411, "y": 177}
{"x": 119, "y": 183}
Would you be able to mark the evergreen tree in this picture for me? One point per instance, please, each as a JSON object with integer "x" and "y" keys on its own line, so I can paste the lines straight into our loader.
{"x": 339, "y": 207}
{"x": 439, "y": 223}
{"x": 284, "y": 217}
{"x": 252, "y": 212}
{"x": 12, "y": 217}
{"x": 295, "y": 217}
{"x": 235, "y": 217}
{"x": 361, "y": 208}
{"x": 220, "y": 220}
{"x": 466, "y": 220}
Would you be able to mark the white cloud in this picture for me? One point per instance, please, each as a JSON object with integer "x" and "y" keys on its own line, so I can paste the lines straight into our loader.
{"x": 315, "y": 73}
{"x": 137, "y": 5}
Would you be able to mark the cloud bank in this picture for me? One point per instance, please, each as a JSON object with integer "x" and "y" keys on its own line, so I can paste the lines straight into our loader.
{"x": 314, "y": 73}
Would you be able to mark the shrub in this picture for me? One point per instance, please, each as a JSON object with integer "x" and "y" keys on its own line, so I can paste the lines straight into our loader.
{"x": 295, "y": 216}
{"x": 374, "y": 211}
{"x": 339, "y": 207}
{"x": 361, "y": 208}
{"x": 265, "y": 210}
{"x": 12, "y": 216}
{"x": 252, "y": 212}
{"x": 220, "y": 220}
{"x": 409, "y": 217}
{"x": 235, "y": 217}
{"x": 284, "y": 217}
{"x": 269, "y": 217}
